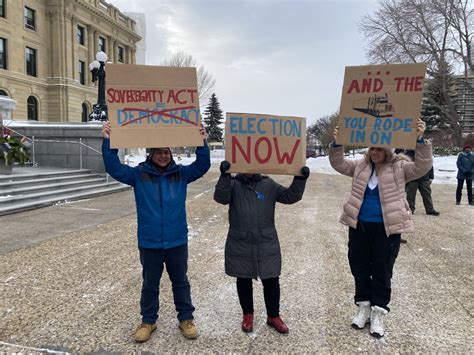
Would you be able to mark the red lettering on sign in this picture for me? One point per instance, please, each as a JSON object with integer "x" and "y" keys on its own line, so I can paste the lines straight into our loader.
{"x": 257, "y": 150}
{"x": 354, "y": 86}
{"x": 285, "y": 156}
{"x": 411, "y": 83}
{"x": 245, "y": 154}
{"x": 367, "y": 85}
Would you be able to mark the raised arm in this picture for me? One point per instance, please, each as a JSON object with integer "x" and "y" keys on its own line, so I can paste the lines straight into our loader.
{"x": 294, "y": 193}
{"x": 423, "y": 156}
{"x": 337, "y": 160}
{"x": 202, "y": 163}
{"x": 113, "y": 167}
{"x": 223, "y": 191}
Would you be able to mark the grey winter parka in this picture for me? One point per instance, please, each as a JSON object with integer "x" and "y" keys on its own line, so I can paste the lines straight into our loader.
{"x": 252, "y": 248}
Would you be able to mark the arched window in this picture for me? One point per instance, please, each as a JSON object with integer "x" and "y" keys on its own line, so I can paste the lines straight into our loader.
{"x": 85, "y": 113}
{"x": 32, "y": 108}
{"x": 3, "y": 93}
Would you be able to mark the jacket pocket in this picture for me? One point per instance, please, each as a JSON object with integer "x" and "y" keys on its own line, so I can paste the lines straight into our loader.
{"x": 236, "y": 235}
{"x": 269, "y": 233}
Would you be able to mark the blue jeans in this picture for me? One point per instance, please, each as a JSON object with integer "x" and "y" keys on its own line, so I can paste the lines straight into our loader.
{"x": 153, "y": 262}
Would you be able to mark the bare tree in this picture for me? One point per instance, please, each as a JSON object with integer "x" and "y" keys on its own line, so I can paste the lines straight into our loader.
{"x": 204, "y": 79}
{"x": 322, "y": 130}
{"x": 437, "y": 32}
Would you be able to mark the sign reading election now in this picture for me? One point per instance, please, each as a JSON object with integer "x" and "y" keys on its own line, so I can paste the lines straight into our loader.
{"x": 259, "y": 143}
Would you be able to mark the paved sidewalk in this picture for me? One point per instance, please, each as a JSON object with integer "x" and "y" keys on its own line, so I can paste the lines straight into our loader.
{"x": 79, "y": 291}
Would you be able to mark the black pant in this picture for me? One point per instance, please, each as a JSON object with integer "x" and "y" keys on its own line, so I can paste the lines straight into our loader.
{"x": 424, "y": 186}
{"x": 176, "y": 261}
{"x": 459, "y": 190}
{"x": 271, "y": 294}
{"x": 371, "y": 257}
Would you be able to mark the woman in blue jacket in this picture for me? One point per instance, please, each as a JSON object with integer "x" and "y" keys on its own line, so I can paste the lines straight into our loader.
{"x": 465, "y": 164}
{"x": 160, "y": 188}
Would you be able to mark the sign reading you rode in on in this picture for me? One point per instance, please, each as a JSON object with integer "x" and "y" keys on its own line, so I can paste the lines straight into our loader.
{"x": 259, "y": 143}
{"x": 380, "y": 105}
{"x": 152, "y": 106}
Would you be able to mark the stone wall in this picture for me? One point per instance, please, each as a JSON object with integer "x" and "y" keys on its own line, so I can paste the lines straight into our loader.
{"x": 63, "y": 154}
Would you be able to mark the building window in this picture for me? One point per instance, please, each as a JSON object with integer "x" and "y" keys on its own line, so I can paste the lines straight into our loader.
{"x": 102, "y": 44}
{"x": 3, "y": 93}
{"x": 30, "y": 56}
{"x": 32, "y": 108}
{"x": 82, "y": 72}
{"x": 80, "y": 34}
{"x": 30, "y": 18}
{"x": 85, "y": 114}
{"x": 3, "y": 53}
{"x": 2, "y": 8}
{"x": 120, "y": 54}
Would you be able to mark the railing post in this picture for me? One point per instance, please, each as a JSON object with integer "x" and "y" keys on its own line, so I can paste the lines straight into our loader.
{"x": 33, "y": 150}
{"x": 80, "y": 153}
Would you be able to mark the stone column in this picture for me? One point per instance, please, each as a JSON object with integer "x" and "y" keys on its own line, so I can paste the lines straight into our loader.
{"x": 73, "y": 48}
{"x": 91, "y": 39}
{"x": 111, "y": 50}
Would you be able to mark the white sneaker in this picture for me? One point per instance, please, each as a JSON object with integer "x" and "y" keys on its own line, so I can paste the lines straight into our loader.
{"x": 363, "y": 315}
{"x": 376, "y": 321}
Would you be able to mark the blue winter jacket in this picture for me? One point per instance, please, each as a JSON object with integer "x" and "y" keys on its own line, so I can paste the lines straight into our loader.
{"x": 160, "y": 197}
{"x": 465, "y": 164}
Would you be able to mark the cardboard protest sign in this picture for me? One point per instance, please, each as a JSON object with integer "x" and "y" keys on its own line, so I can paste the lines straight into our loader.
{"x": 380, "y": 105}
{"x": 266, "y": 144}
{"x": 152, "y": 106}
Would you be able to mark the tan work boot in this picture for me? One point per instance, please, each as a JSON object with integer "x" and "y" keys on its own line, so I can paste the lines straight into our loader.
{"x": 188, "y": 329}
{"x": 143, "y": 332}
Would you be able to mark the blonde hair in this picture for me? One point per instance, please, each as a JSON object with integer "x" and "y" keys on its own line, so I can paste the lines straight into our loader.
{"x": 390, "y": 156}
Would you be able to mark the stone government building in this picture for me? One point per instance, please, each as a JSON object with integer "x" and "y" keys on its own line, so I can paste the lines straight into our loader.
{"x": 45, "y": 50}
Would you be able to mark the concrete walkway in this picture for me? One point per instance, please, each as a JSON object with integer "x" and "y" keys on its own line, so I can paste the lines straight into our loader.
{"x": 78, "y": 290}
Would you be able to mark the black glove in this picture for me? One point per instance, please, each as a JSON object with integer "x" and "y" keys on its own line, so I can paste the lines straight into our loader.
{"x": 304, "y": 172}
{"x": 225, "y": 165}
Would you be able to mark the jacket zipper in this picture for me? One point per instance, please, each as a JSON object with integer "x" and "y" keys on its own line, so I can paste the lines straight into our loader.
{"x": 258, "y": 228}
{"x": 163, "y": 212}
{"x": 381, "y": 202}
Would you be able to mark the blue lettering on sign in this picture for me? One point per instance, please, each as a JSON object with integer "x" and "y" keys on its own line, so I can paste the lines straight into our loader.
{"x": 259, "y": 126}
{"x": 254, "y": 125}
{"x": 380, "y": 138}
{"x": 233, "y": 124}
{"x": 355, "y": 122}
{"x": 251, "y": 125}
{"x": 357, "y": 136}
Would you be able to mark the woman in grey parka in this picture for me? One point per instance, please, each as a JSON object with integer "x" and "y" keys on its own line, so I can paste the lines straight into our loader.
{"x": 252, "y": 248}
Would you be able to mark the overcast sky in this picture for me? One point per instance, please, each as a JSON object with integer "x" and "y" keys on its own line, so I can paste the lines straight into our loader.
{"x": 267, "y": 56}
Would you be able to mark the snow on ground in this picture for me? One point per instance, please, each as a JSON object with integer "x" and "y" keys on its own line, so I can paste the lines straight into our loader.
{"x": 445, "y": 169}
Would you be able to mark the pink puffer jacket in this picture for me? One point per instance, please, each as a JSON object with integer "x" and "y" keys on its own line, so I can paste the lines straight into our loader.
{"x": 391, "y": 182}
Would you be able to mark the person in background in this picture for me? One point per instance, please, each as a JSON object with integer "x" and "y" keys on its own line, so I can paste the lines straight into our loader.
{"x": 160, "y": 185}
{"x": 377, "y": 213}
{"x": 465, "y": 164}
{"x": 422, "y": 184}
{"x": 252, "y": 249}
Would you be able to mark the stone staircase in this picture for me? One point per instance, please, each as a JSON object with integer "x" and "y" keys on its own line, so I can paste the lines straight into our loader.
{"x": 25, "y": 191}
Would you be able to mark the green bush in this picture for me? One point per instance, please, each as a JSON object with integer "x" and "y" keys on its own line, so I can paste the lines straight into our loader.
{"x": 444, "y": 151}
{"x": 13, "y": 150}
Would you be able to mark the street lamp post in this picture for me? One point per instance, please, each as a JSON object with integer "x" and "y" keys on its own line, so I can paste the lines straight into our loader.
{"x": 97, "y": 68}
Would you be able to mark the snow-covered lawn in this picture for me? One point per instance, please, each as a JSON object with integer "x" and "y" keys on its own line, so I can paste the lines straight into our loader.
{"x": 445, "y": 169}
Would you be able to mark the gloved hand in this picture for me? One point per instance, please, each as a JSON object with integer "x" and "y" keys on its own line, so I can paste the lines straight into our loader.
{"x": 305, "y": 172}
{"x": 225, "y": 165}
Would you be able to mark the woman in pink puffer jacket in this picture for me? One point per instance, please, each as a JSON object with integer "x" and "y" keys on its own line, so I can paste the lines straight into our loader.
{"x": 377, "y": 212}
